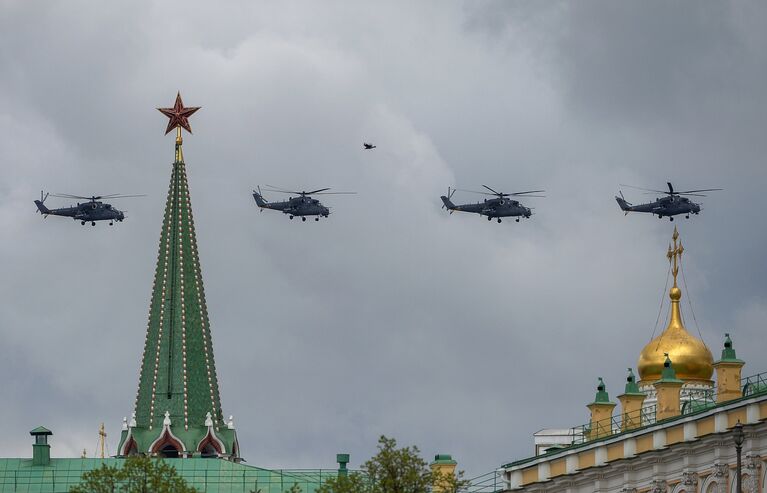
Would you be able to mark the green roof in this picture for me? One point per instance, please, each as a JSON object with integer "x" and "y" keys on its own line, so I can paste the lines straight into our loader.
{"x": 208, "y": 475}
{"x": 40, "y": 430}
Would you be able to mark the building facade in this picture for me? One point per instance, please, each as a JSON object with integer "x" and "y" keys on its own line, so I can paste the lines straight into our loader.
{"x": 673, "y": 431}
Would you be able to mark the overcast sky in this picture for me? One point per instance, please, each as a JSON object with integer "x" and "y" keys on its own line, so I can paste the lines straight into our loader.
{"x": 392, "y": 317}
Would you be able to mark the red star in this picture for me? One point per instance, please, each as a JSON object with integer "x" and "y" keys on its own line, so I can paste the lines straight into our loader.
{"x": 179, "y": 115}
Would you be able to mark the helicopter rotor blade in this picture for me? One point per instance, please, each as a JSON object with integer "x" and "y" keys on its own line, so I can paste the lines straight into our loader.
{"x": 644, "y": 189}
{"x": 119, "y": 196}
{"x": 335, "y": 193}
{"x": 529, "y": 191}
{"x": 494, "y": 192}
{"x": 315, "y": 191}
{"x": 474, "y": 191}
{"x": 688, "y": 192}
{"x": 68, "y": 196}
{"x": 278, "y": 189}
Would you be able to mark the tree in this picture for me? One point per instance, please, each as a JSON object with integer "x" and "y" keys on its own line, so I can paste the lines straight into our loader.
{"x": 395, "y": 470}
{"x": 138, "y": 474}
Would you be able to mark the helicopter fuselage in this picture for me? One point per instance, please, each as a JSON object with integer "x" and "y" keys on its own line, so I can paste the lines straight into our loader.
{"x": 492, "y": 208}
{"x": 84, "y": 212}
{"x": 301, "y": 206}
{"x": 662, "y": 207}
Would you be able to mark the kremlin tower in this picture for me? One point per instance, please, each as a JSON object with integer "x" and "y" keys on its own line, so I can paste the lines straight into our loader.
{"x": 178, "y": 407}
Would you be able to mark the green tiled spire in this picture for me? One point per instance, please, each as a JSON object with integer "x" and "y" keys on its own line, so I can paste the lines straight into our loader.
{"x": 178, "y": 402}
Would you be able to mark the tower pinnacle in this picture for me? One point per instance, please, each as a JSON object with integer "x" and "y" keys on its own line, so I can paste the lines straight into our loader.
{"x": 178, "y": 407}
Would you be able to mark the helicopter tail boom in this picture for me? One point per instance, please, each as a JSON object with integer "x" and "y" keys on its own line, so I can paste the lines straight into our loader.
{"x": 41, "y": 207}
{"x": 260, "y": 201}
{"x": 447, "y": 203}
{"x": 625, "y": 206}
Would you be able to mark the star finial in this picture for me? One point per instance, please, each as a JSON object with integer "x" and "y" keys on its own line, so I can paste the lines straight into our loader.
{"x": 179, "y": 115}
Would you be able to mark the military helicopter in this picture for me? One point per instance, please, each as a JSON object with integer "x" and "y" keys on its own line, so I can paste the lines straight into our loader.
{"x": 91, "y": 211}
{"x": 301, "y": 206}
{"x": 501, "y": 206}
{"x": 367, "y": 146}
{"x": 673, "y": 204}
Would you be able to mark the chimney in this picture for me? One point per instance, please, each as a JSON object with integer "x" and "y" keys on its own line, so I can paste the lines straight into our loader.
{"x": 442, "y": 468}
{"x": 601, "y": 412}
{"x": 342, "y": 460}
{"x": 631, "y": 404}
{"x": 667, "y": 390}
{"x": 728, "y": 373}
{"x": 41, "y": 451}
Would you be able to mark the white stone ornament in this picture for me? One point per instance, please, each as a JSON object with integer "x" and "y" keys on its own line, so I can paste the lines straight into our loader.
{"x": 166, "y": 419}
{"x": 230, "y": 423}
{"x": 125, "y": 423}
{"x": 208, "y": 420}
{"x": 132, "y": 423}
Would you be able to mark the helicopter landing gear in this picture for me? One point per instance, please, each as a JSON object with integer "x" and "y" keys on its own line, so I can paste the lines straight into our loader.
{"x": 303, "y": 219}
{"x": 687, "y": 216}
{"x": 671, "y": 219}
{"x": 499, "y": 220}
{"x": 517, "y": 219}
{"x": 111, "y": 224}
{"x": 291, "y": 217}
{"x": 316, "y": 218}
{"x": 82, "y": 222}
{"x": 93, "y": 223}
{"x": 489, "y": 218}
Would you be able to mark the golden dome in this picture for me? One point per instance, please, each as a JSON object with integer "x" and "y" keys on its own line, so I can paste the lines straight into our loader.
{"x": 692, "y": 359}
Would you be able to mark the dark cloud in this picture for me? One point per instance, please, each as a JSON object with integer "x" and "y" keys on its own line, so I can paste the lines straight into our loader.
{"x": 392, "y": 317}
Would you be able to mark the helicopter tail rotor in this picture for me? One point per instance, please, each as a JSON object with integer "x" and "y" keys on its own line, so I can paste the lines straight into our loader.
{"x": 446, "y": 203}
{"x": 623, "y": 204}
{"x": 41, "y": 205}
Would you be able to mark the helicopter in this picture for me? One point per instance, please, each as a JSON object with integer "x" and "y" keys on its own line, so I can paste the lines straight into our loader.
{"x": 501, "y": 206}
{"x": 367, "y": 146}
{"x": 91, "y": 211}
{"x": 301, "y": 206}
{"x": 673, "y": 204}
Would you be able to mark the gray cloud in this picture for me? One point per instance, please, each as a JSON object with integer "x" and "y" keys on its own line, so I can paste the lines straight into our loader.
{"x": 392, "y": 317}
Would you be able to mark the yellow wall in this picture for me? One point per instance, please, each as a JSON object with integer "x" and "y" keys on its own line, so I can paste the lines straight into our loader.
{"x": 763, "y": 410}
{"x": 644, "y": 443}
{"x": 736, "y": 415}
{"x": 668, "y": 400}
{"x": 728, "y": 381}
{"x": 675, "y": 435}
{"x": 705, "y": 426}
{"x": 530, "y": 475}
{"x": 615, "y": 451}
{"x": 557, "y": 467}
{"x": 586, "y": 459}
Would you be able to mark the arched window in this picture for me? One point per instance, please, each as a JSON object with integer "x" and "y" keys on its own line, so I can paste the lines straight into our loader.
{"x": 168, "y": 452}
{"x": 209, "y": 451}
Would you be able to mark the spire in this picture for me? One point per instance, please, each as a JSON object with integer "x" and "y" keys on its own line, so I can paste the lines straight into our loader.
{"x": 178, "y": 385}
{"x": 674, "y": 256}
{"x": 692, "y": 359}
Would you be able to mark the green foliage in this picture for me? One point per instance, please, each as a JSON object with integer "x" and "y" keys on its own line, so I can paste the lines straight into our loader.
{"x": 294, "y": 489}
{"x": 138, "y": 475}
{"x": 394, "y": 470}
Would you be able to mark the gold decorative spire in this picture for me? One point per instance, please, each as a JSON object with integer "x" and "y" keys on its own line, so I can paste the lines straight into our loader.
{"x": 675, "y": 254}
{"x": 692, "y": 359}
